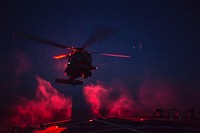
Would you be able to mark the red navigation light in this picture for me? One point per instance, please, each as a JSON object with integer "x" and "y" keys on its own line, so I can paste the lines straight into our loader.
{"x": 141, "y": 119}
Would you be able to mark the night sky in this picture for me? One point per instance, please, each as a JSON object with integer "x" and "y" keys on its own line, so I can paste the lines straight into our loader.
{"x": 167, "y": 33}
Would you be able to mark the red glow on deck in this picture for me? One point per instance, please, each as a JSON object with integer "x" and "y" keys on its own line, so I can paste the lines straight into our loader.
{"x": 52, "y": 129}
{"x": 49, "y": 105}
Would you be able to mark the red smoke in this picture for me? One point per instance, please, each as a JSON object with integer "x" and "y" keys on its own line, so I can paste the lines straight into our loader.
{"x": 100, "y": 98}
{"x": 61, "y": 65}
{"x": 156, "y": 94}
{"x": 96, "y": 96}
{"x": 123, "y": 106}
{"x": 49, "y": 105}
{"x": 117, "y": 102}
{"x": 22, "y": 63}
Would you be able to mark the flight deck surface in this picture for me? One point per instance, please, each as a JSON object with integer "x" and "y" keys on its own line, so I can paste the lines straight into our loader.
{"x": 105, "y": 125}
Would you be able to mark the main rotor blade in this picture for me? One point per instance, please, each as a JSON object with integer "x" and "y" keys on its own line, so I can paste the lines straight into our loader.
{"x": 39, "y": 39}
{"x": 98, "y": 36}
{"x": 116, "y": 55}
{"x": 112, "y": 54}
{"x": 60, "y": 56}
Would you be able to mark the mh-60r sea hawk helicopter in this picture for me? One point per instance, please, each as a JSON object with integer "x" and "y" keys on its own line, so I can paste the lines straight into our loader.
{"x": 79, "y": 59}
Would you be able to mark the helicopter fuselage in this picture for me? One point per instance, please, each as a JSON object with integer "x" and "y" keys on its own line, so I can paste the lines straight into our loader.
{"x": 79, "y": 65}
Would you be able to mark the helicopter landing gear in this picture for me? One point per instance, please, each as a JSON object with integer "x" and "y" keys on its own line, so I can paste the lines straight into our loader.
{"x": 66, "y": 81}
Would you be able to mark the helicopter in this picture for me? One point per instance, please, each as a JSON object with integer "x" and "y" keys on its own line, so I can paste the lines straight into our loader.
{"x": 79, "y": 62}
